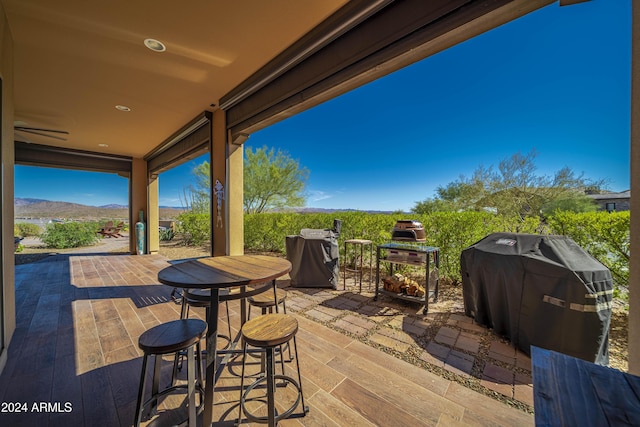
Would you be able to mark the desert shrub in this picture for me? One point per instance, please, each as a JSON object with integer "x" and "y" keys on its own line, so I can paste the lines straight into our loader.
{"x": 70, "y": 235}
{"x": 195, "y": 227}
{"x": 27, "y": 229}
{"x": 167, "y": 234}
{"x": 261, "y": 232}
{"x": 604, "y": 235}
{"x": 449, "y": 231}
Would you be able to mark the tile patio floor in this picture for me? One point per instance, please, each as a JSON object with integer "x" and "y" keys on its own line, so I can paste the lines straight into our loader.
{"x": 363, "y": 362}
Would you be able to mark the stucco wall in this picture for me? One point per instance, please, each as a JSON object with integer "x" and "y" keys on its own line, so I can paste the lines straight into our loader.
{"x": 6, "y": 176}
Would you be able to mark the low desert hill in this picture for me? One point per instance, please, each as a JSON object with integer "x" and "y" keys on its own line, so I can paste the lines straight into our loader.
{"x": 37, "y": 208}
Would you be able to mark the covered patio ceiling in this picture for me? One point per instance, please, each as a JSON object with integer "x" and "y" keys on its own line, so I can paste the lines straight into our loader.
{"x": 261, "y": 61}
{"x": 75, "y": 61}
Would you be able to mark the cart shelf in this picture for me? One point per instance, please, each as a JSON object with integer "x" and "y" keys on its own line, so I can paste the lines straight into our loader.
{"x": 415, "y": 255}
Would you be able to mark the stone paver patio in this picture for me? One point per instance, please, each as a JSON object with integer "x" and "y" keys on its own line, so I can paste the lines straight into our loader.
{"x": 444, "y": 341}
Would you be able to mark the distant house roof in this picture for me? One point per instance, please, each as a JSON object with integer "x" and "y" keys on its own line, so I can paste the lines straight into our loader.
{"x": 610, "y": 196}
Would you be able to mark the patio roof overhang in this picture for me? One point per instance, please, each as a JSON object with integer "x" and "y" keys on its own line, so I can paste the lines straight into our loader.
{"x": 259, "y": 61}
{"x": 68, "y": 158}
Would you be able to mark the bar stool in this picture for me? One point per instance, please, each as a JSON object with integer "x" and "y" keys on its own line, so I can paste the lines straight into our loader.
{"x": 172, "y": 337}
{"x": 202, "y": 298}
{"x": 266, "y": 303}
{"x": 357, "y": 270}
{"x": 199, "y": 298}
{"x": 267, "y": 332}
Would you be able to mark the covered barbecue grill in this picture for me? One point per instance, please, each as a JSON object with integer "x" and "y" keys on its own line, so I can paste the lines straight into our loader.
{"x": 314, "y": 256}
{"x": 539, "y": 290}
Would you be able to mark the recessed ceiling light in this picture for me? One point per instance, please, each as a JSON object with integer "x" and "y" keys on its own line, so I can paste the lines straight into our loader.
{"x": 103, "y": 145}
{"x": 155, "y": 45}
{"x": 122, "y": 108}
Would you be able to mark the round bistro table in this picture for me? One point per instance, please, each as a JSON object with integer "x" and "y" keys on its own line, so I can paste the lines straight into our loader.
{"x": 215, "y": 273}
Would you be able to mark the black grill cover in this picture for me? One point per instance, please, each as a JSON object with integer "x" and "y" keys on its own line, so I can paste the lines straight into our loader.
{"x": 314, "y": 257}
{"x": 539, "y": 290}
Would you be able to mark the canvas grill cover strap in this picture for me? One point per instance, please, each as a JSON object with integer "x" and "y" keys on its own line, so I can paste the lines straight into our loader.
{"x": 539, "y": 290}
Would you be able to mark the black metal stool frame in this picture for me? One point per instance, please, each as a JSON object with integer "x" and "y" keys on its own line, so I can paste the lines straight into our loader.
{"x": 191, "y": 298}
{"x": 194, "y": 384}
{"x": 270, "y": 378}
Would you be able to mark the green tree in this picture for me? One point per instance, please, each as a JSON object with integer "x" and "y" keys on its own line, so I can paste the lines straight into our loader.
{"x": 196, "y": 197}
{"x": 460, "y": 195}
{"x": 272, "y": 179}
{"x": 514, "y": 189}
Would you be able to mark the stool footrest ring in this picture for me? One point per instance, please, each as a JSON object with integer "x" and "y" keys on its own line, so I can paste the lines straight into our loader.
{"x": 285, "y": 414}
{"x": 170, "y": 390}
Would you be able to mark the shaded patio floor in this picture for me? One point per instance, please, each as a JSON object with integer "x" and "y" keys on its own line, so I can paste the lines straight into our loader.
{"x": 79, "y": 318}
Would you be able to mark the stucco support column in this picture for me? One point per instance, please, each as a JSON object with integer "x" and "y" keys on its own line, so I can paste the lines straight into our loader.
{"x": 634, "y": 263}
{"x": 143, "y": 195}
{"x": 235, "y": 192}
{"x": 227, "y": 223}
{"x": 218, "y": 189}
{"x": 153, "y": 216}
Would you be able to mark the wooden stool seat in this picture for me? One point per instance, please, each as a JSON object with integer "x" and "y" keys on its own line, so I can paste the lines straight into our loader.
{"x": 197, "y": 297}
{"x": 269, "y": 330}
{"x": 265, "y": 299}
{"x": 266, "y": 303}
{"x": 202, "y": 297}
{"x": 172, "y": 336}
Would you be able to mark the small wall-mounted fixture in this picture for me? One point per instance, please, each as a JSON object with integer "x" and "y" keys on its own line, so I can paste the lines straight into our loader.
{"x": 155, "y": 45}
{"x": 122, "y": 108}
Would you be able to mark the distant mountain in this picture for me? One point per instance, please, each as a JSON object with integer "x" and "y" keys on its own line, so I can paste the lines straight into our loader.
{"x": 38, "y": 208}
{"x": 326, "y": 210}
{"x": 23, "y": 202}
{"x": 113, "y": 206}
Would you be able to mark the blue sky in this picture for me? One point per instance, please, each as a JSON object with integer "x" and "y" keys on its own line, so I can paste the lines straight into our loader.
{"x": 556, "y": 80}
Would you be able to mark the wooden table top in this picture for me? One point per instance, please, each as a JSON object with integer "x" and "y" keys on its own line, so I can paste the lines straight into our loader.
{"x": 224, "y": 271}
{"x": 573, "y": 392}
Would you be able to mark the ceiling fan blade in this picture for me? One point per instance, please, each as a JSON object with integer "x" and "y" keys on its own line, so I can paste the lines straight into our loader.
{"x": 41, "y": 134}
{"x": 22, "y": 138}
{"x": 26, "y": 129}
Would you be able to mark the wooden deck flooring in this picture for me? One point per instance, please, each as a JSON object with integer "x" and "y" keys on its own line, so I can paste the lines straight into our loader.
{"x": 75, "y": 350}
